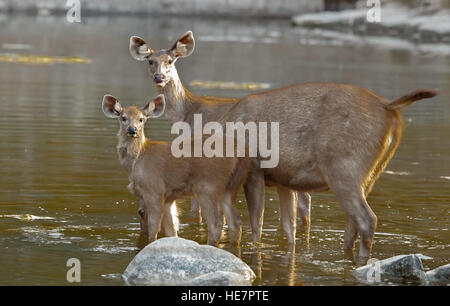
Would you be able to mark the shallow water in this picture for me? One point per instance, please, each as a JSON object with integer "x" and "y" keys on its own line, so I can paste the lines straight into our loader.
{"x": 63, "y": 193}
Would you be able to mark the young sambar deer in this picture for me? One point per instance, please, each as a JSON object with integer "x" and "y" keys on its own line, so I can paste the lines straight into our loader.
{"x": 332, "y": 136}
{"x": 157, "y": 178}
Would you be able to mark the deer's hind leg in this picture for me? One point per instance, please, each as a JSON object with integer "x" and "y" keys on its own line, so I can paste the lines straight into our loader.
{"x": 345, "y": 177}
{"x": 350, "y": 235}
{"x": 361, "y": 218}
{"x": 385, "y": 154}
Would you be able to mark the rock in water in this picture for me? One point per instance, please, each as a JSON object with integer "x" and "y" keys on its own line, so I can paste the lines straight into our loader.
{"x": 176, "y": 261}
{"x": 397, "y": 269}
{"x": 220, "y": 278}
{"x": 439, "y": 276}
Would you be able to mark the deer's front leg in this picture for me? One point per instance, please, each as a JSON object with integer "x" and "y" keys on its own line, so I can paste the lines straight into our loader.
{"x": 214, "y": 219}
{"x": 154, "y": 210}
{"x": 169, "y": 226}
{"x": 254, "y": 194}
{"x": 304, "y": 208}
{"x": 288, "y": 211}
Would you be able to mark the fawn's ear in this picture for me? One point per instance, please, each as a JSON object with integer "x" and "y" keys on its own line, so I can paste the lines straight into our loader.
{"x": 184, "y": 46}
{"x": 111, "y": 106}
{"x": 139, "y": 49}
{"x": 155, "y": 108}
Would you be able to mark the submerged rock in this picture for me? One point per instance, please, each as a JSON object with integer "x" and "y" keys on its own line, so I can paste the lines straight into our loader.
{"x": 177, "y": 261}
{"x": 439, "y": 276}
{"x": 397, "y": 269}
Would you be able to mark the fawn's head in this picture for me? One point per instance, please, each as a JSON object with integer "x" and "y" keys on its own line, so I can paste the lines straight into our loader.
{"x": 162, "y": 62}
{"x": 132, "y": 119}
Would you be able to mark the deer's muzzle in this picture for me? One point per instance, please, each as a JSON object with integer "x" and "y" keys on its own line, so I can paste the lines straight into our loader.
{"x": 132, "y": 132}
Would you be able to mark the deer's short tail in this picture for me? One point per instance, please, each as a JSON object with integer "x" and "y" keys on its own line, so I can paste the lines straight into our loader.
{"x": 411, "y": 97}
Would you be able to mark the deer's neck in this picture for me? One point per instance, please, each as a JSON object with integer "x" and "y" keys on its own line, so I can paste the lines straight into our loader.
{"x": 181, "y": 104}
{"x": 178, "y": 102}
{"x": 129, "y": 149}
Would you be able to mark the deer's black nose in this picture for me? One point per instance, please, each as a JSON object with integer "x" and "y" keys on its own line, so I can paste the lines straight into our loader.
{"x": 158, "y": 78}
{"x": 131, "y": 131}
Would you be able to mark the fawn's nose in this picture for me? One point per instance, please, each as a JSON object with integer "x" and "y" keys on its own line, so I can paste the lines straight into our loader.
{"x": 131, "y": 131}
{"x": 158, "y": 78}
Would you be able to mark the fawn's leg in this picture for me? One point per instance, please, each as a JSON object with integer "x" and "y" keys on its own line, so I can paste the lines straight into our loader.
{"x": 154, "y": 209}
{"x": 169, "y": 225}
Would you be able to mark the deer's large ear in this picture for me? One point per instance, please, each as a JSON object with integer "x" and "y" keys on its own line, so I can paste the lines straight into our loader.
{"x": 139, "y": 49}
{"x": 155, "y": 108}
{"x": 184, "y": 46}
{"x": 111, "y": 106}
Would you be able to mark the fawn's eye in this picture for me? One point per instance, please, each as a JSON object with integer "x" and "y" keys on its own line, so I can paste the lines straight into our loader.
{"x": 170, "y": 62}
{"x": 124, "y": 119}
{"x": 151, "y": 62}
{"x": 140, "y": 120}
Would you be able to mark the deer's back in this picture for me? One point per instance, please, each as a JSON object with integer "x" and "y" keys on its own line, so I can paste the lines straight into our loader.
{"x": 319, "y": 124}
{"x": 157, "y": 170}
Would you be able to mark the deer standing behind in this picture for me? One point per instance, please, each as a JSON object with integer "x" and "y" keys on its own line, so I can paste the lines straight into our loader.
{"x": 332, "y": 136}
{"x": 157, "y": 178}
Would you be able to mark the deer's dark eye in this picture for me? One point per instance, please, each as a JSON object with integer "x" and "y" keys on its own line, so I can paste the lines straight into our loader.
{"x": 124, "y": 119}
{"x": 151, "y": 62}
{"x": 140, "y": 120}
{"x": 170, "y": 62}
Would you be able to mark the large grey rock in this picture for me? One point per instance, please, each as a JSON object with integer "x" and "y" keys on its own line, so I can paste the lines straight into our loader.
{"x": 177, "y": 261}
{"x": 220, "y": 278}
{"x": 397, "y": 269}
{"x": 439, "y": 276}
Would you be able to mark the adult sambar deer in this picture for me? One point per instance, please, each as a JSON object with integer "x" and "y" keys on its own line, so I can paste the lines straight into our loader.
{"x": 332, "y": 136}
{"x": 157, "y": 178}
